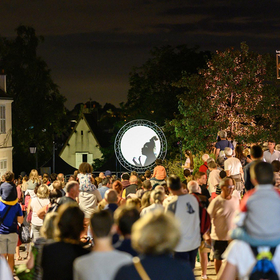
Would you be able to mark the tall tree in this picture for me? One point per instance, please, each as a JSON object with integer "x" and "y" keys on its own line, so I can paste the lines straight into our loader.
{"x": 38, "y": 107}
{"x": 152, "y": 95}
{"x": 236, "y": 92}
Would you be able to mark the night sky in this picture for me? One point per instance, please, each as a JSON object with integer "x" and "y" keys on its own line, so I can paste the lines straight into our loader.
{"x": 91, "y": 46}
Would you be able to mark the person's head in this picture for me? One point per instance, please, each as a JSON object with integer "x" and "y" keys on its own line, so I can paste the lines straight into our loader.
{"x": 223, "y": 134}
{"x": 209, "y": 160}
{"x": 53, "y": 177}
{"x": 223, "y": 174}
{"x": 111, "y": 196}
{"x": 106, "y": 182}
{"x": 54, "y": 194}
{"x": 174, "y": 183}
{"x": 271, "y": 145}
{"x": 43, "y": 191}
{"x": 188, "y": 153}
{"x": 262, "y": 173}
{"x": 256, "y": 152}
{"x": 205, "y": 157}
{"x": 212, "y": 165}
{"x": 101, "y": 224}
{"x": 201, "y": 178}
{"x": 9, "y": 176}
{"x": 145, "y": 200}
{"x": 125, "y": 177}
{"x": 57, "y": 184}
{"x": 193, "y": 187}
{"x": 187, "y": 173}
{"x": 125, "y": 217}
{"x": 147, "y": 185}
{"x": 133, "y": 202}
{"x": 60, "y": 177}
{"x": 158, "y": 161}
{"x": 72, "y": 189}
{"x": 33, "y": 176}
{"x": 48, "y": 228}
{"x": 276, "y": 165}
{"x": 228, "y": 151}
{"x": 85, "y": 168}
{"x": 133, "y": 180}
{"x": 117, "y": 186}
{"x": 134, "y": 173}
{"x": 148, "y": 174}
{"x": 221, "y": 161}
{"x": 101, "y": 175}
{"x": 69, "y": 222}
{"x": 157, "y": 196}
{"x": 108, "y": 173}
{"x": 156, "y": 233}
{"x": 227, "y": 187}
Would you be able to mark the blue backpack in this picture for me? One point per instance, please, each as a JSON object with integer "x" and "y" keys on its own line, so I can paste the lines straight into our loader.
{"x": 264, "y": 268}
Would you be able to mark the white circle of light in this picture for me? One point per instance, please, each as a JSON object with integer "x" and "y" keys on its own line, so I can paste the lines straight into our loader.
{"x": 136, "y": 141}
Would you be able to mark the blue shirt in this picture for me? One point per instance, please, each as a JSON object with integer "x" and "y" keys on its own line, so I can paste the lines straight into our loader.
{"x": 9, "y": 225}
{"x": 102, "y": 191}
{"x": 223, "y": 144}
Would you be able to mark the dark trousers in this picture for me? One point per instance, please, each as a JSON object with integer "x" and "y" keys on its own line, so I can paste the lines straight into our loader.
{"x": 189, "y": 256}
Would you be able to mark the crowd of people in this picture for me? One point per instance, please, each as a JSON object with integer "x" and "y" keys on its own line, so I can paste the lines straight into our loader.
{"x": 148, "y": 226}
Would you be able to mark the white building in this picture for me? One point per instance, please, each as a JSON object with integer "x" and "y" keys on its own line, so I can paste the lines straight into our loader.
{"x": 6, "y": 146}
{"x": 82, "y": 144}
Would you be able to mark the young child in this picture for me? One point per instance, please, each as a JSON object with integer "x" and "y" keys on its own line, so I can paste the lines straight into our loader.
{"x": 159, "y": 171}
{"x": 8, "y": 190}
{"x": 85, "y": 178}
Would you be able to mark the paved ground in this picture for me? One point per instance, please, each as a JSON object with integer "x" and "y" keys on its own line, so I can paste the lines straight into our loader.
{"x": 210, "y": 271}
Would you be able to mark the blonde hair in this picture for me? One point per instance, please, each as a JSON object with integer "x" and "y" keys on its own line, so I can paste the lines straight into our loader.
{"x": 43, "y": 191}
{"x": 133, "y": 202}
{"x": 157, "y": 196}
{"x": 155, "y": 233}
{"x": 33, "y": 176}
{"x": 47, "y": 230}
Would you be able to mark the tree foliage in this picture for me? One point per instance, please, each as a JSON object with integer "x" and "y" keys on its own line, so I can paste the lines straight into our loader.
{"x": 236, "y": 91}
{"x": 38, "y": 107}
{"x": 152, "y": 95}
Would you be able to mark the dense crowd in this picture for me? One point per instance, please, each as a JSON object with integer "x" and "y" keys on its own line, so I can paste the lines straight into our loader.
{"x": 147, "y": 226}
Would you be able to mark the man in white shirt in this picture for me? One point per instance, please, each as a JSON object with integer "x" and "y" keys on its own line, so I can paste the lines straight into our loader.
{"x": 186, "y": 210}
{"x": 271, "y": 155}
{"x": 222, "y": 212}
{"x": 233, "y": 168}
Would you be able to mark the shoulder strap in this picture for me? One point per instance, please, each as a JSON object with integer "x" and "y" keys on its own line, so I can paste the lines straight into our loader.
{"x": 6, "y": 213}
{"x": 255, "y": 250}
{"x": 140, "y": 269}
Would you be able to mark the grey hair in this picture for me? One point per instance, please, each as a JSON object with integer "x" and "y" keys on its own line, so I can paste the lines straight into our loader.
{"x": 228, "y": 151}
{"x": 223, "y": 134}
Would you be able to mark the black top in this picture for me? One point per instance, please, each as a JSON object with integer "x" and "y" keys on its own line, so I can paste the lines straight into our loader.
{"x": 162, "y": 267}
{"x": 58, "y": 258}
{"x": 125, "y": 246}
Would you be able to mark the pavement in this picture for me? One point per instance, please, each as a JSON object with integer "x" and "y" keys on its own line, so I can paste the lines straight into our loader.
{"x": 211, "y": 273}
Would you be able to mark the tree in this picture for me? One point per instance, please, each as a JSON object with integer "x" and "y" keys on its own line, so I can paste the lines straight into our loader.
{"x": 152, "y": 94}
{"x": 235, "y": 92}
{"x": 38, "y": 108}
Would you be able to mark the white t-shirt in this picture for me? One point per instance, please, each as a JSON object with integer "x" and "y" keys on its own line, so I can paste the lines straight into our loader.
{"x": 187, "y": 212}
{"x": 233, "y": 165}
{"x": 213, "y": 180}
{"x": 240, "y": 254}
{"x": 151, "y": 208}
{"x": 188, "y": 163}
{"x": 5, "y": 271}
{"x": 100, "y": 265}
{"x": 222, "y": 212}
{"x": 36, "y": 205}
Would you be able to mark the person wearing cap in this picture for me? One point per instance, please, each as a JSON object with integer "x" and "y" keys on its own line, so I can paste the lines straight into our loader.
{"x": 108, "y": 174}
{"x": 11, "y": 215}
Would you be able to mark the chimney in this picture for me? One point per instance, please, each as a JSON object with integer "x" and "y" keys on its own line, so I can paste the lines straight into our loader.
{"x": 3, "y": 81}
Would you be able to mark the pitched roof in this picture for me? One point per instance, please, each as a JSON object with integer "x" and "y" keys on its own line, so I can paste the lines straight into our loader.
{"x": 4, "y": 95}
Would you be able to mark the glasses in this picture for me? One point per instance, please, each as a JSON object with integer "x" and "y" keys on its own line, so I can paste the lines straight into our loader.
{"x": 230, "y": 187}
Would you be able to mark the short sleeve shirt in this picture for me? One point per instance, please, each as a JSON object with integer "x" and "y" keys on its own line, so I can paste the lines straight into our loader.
{"x": 9, "y": 225}
{"x": 268, "y": 157}
{"x": 223, "y": 144}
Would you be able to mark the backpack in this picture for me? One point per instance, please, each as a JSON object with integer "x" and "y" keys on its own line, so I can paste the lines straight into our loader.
{"x": 205, "y": 220}
{"x": 264, "y": 268}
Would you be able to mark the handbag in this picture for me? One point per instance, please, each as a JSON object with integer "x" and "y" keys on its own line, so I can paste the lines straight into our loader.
{"x": 2, "y": 219}
{"x": 24, "y": 234}
{"x": 140, "y": 269}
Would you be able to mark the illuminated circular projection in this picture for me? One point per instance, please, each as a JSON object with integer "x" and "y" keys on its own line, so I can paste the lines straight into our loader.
{"x": 138, "y": 144}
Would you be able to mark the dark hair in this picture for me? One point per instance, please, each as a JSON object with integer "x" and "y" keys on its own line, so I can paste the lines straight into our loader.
{"x": 264, "y": 173}
{"x": 198, "y": 175}
{"x": 147, "y": 184}
{"x": 125, "y": 176}
{"x": 239, "y": 152}
{"x": 148, "y": 173}
{"x": 125, "y": 217}
{"x": 70, "y": 222}
{"x": 223, "y": 174}
{"x": 256, "y": 151}
{"x": 276, "y": 165}
{"x": 101, "y": 223}
{"x": 53, "y": 176}
{"x": 271, "y": 141}
{"x": 9, "y": 176}
{"x": 54, "y": 194}
{"x": 174, "y": 183}
{"x": 158, "y": 161}
{"x": 187, "y": 173}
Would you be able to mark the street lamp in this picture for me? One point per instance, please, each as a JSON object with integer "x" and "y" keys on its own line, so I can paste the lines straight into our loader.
{"x": 33, "y": 149}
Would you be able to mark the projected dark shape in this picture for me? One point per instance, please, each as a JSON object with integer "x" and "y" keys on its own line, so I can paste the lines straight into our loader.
{"x": 148, "y": 151}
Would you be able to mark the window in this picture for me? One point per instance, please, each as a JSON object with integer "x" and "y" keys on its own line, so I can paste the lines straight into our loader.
{"x": 3, "y": 166}
{"x": 2, "y": 119}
